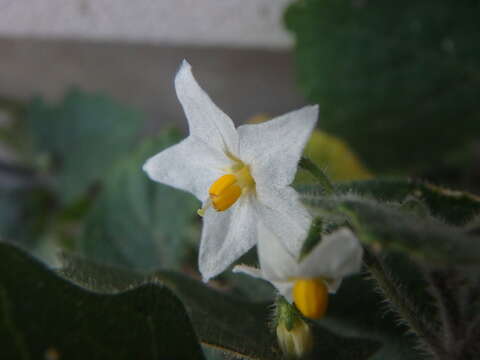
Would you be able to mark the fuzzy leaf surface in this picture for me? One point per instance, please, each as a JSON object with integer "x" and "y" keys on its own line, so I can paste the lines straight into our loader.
{"x": 221, "y": 321}
{"x": 452, "y": 206}
{"x": 45, "y": 316}
{"x": 391, "y": 228}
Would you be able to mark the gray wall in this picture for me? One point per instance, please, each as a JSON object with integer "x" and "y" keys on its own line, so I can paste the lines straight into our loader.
{"x": 243, "y": 82}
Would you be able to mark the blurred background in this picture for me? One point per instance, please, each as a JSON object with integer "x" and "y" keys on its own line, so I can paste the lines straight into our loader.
{"x": 86, "y": 96}
{"x": 240, "y": 52}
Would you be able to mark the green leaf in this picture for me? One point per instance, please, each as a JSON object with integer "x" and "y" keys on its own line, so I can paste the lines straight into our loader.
{"x": 24, "y": 214}
{"x": 82, "y": 137}
{"x": 221, "y": 321}
{"x": 397, "y": 81}
{"x": 451, "y": 206}
{"x": 137, "y": 222}
{"x": 389, "y": 227}
{"x": 44, "y": 316}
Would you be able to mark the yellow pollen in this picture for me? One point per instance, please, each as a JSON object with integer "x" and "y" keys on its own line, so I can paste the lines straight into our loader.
{"x": 311, "y": 297}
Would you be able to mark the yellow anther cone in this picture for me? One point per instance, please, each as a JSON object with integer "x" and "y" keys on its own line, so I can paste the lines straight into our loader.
{"x": 224, "y": 192}
{"x": 311, "y": 297}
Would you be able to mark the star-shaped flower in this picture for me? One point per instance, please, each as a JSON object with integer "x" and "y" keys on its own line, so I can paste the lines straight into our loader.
{"x": 307, "y": 283}
{"x": 242, "y": 176}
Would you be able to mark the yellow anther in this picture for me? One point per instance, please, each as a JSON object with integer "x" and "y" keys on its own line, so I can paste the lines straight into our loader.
{"x": 311, "y": 297}
{"x": 224, "y": 192}
{"x": 221, "y": 184}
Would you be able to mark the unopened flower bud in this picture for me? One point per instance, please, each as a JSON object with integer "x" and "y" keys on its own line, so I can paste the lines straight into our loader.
{"x": 296, "y": 342}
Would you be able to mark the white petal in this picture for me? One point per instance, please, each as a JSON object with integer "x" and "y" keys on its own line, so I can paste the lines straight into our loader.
{"x": 333, "y": 285}
{"x": 226, "y": 236}
{"x": 205, "y": 120}
{"x": 190, "y": 165}
{"x": 273, "y": 148}
{"x": 249, "y": 270}
{"x": 338, "y": 255}
{"x": 282, "y": 213}
{"x": 276, "y": 262}
{"x": 285, "y": 289}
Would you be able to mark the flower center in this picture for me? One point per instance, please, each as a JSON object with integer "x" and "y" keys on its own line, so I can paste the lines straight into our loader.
{"x": 227, "y": 189}
{"x": 311, "y": 297}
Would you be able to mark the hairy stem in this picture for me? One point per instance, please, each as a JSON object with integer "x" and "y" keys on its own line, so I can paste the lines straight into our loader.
{"x": 402, "y": 305}
{"x": 440, "y": 288}
{"x": 471, "y": 344}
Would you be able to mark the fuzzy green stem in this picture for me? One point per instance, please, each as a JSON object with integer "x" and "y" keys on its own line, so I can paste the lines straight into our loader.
{"x": 321, "y": 177}
{"x": 447, "y": 306}
{"x": 402, "y": 304}
{"x": 471, "y": 339}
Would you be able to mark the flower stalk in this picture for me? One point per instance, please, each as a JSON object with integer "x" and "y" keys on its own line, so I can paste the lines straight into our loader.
{"x": 402, "y": 305}
{"x": 321, "y": 177}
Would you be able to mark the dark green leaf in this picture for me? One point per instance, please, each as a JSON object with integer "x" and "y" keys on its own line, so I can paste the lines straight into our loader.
{"x": 24, "y": 214}
{"x": 399, "y": 81}
{"x": 137, "y": 222}
{"x": 453, "y": 207}
{"x": 391, "y": 228}
{"x": 43, "y": 316}
{"x": 221, "y": 321}
{"x": 81, "y": 137}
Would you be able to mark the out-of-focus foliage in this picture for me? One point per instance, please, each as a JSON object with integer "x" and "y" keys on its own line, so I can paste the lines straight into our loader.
{"x": 45, "y": 317}
{"x": 136, "y": 222}
{"x": 398, "y": 81}
{"x": 81, "y": 138}
{"x": 334, "y": 155}
{"x": 81, "y": 185}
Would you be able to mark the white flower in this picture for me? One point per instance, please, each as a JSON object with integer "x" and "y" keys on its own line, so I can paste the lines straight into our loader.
{"x": 242, "y": 176}
{"x": 307, "y": 283}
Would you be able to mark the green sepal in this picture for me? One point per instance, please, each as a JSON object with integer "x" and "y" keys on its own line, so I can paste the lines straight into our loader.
{"x": 313, "y": 238}
{"x": 285, "y": 313}
{"x": 318, "y": 173}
